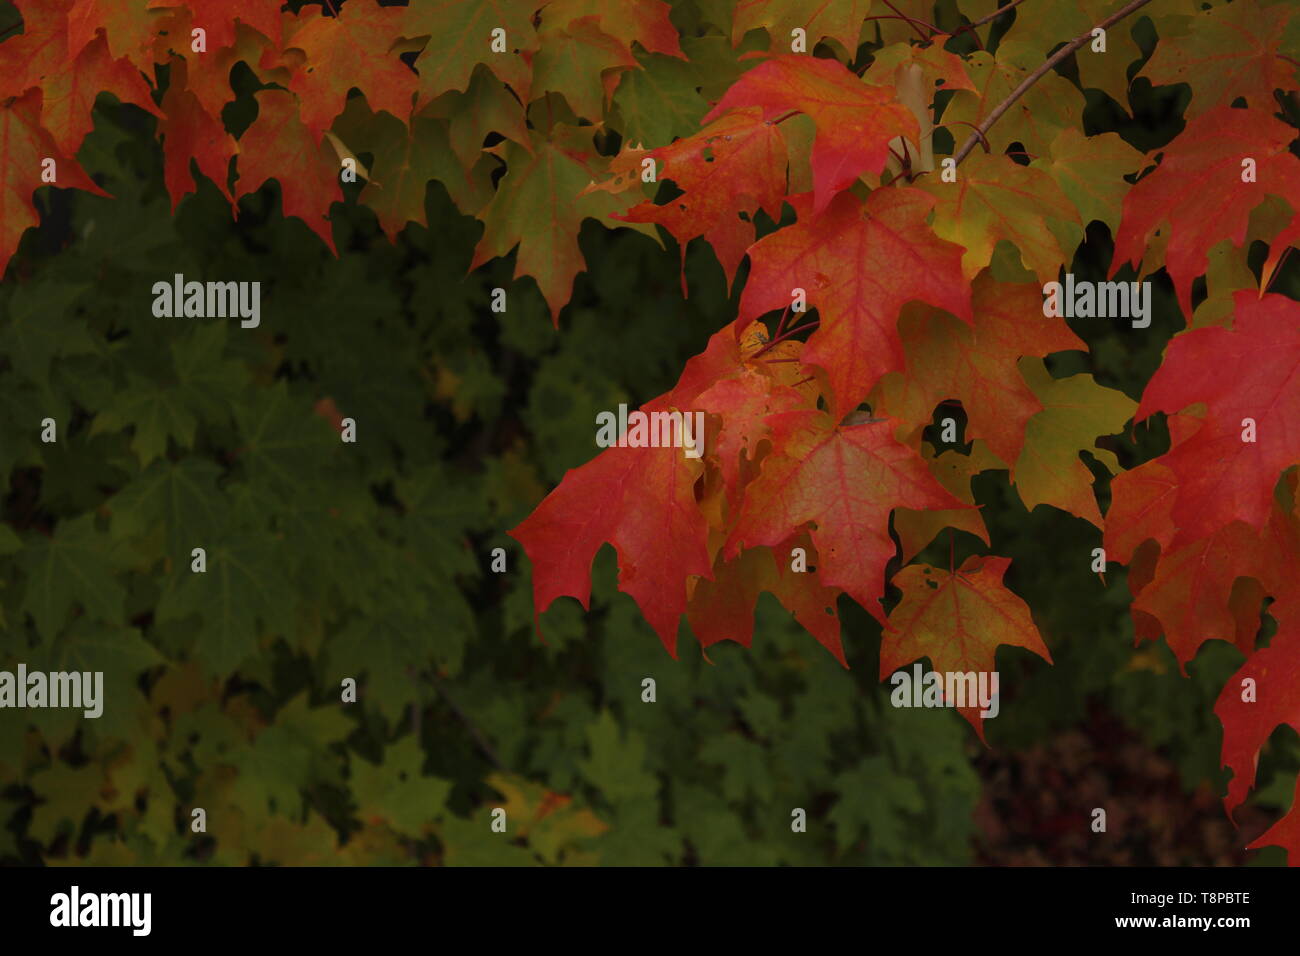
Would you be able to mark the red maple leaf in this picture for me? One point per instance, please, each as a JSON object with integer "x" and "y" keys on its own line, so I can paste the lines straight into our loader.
{"x": 1250, "y": 714}
{"x": 189, "y": 132}
{"x": 279, "y": 146}
{"x": 341, "y": 49}
{"x": 958, "y": 620}
{"x": 855, "y": 121}
{"x": 735, "y": 165}
{"x": 1198, "y": 192}
{"x": 722, "y": 608}
{"x": 859, "y": 263}
{"x": 976, "y": 364}
{"x": 217, "y": 18}
{"x": 1249, "y": 372}
{"x": 640, "y": 500}
{"x": 26, "y": 146}
{"x": 844, "y": 481}
{"x": 1285, "y": 833}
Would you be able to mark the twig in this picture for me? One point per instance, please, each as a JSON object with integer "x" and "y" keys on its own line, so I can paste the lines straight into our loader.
{"x": 1034, "y": 77}
{"x": 913, "y": 21}
{"x": 474, "y": 732}
{"x": 984, "y": 142}
{"x": 898, "y": 16}
{"x": 992, "y": 16}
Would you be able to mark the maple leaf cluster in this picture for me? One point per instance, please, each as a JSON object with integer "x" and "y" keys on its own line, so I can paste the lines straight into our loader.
{"x": 910, "y": 315}
{"x": 816, "y": 443}
{"x": 420, "y": 122}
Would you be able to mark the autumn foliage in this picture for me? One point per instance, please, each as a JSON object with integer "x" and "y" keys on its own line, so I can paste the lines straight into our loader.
{"x": 816, "y": 175}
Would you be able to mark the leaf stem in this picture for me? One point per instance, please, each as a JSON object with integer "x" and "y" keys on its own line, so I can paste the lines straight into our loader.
{"x": 1277, "y": 270}
{"x": 780, "y": 326}
{"x": 1038, "y": 74}
{"x": 899, "y": 16}
{"x": 788, "y": 334}
{"x": 913, "y": 21}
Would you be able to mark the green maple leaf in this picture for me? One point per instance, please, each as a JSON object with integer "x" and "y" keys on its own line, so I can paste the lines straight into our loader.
{"x": 67, "y": 795}
{"x": 182, "y": 496}
{"x": 75, "y": 567}
{"x": 273, "y": 769}
{"x": 286, "y": 446}
{"x": 659, "y": 102}
{"x": 405, "y": 159}
{"x": 197, "y": 383}
{"x": 397, "y": 790}
{"x": 156, "y": 413}
{"x": 40, "y": 325}
{"x": 1076, "y": 410}
{"x": 557, "y": 829}
{"x": 318, "y": 726}
{"x": 616, "y": 765}
{"x": 539, "y": 206}
{"x": 718, "y": 835}
{"x": 744, "y": 766}
{"x": 1041, "y": 28}
{"x": 437, "y": 513}
{"x": 472, "y": 843}
{"x": 209, "y": 383}
{"x": 460, "y": 38}
{"x": 1052, "y": 104}
{"x": 121, "y": 654}
{"x": 243, "y": 585}
{"x": 386, "y": 647}
{"x": 873, "y": 797}
{"x": 571, "y": 62}
{"x": 1090, "y": 171}
{"x": 638, "y": 838}
{"x": 486, "y": 107}
{"x": 23, "y": 406}
{"x": 841, "y": 20}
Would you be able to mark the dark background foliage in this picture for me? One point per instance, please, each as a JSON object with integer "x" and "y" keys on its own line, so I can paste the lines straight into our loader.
{"x": 371, "y": 561}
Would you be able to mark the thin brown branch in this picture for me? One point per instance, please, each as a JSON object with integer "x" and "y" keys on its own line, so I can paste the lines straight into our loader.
{"x": 913, "y": 21}
{"x": 992, "y": 16}
{"x": 478, "y": 736}
{"x": 1038, "y": 74}
{"x": 983, "y": 141}
{"x": 973, "y": 26}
